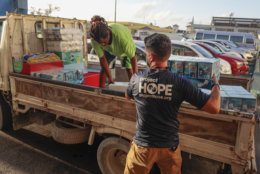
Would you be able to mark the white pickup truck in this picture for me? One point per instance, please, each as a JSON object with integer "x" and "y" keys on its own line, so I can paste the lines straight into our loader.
{"x": 79, "y": 113}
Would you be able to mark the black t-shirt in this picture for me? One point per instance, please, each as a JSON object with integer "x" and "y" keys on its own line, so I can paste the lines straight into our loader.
{"x": 158, "y": 95}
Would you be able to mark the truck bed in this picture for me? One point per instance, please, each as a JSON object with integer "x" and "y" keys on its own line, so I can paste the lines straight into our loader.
{"x": 225, "y": 137}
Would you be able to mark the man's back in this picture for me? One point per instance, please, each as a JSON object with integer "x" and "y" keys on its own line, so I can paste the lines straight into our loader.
{"x": 158, "y": 95}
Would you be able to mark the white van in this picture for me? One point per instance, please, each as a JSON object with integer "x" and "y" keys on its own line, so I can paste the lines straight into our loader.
{"x": 246, "y": 40}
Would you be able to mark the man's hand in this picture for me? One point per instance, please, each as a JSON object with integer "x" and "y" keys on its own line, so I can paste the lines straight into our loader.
{"x": 111, "y": 81}
{"x": 215, "y": 80}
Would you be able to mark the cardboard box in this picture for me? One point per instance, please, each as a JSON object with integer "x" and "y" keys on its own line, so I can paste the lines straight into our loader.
{"x": 70, "y": 76}
{"x": 234, "y": 103}
{"x": 191, "y": 69}
{"x": 198, "y": 70}
{"x": 177, "y": 67}
{"x": 204, "y": 70}
{"x": 119, "y": 86}
{"x": 63, "y": 34}
{"x": 70, "y": 57}
{"x": 248, "y": 103}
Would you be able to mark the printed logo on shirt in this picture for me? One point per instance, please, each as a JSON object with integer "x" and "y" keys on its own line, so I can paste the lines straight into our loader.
{"x": 150, "y": 88}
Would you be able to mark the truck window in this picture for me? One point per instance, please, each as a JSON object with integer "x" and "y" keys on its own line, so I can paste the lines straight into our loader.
{"x": 236, "y": 39}
{"x": 209, "y": 36}
{"x": 222, "y": 37}
{"x": 38, "y": 30}
{"x": 199, "y": 36}
{"x": 1, "y": 26}
{"x": 249, "y": 41}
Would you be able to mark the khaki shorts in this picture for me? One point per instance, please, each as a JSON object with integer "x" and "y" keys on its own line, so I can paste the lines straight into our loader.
{"x": 141, "y": 159}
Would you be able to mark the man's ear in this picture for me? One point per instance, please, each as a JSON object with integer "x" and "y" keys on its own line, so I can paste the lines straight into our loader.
{"x": 153, "y": 56}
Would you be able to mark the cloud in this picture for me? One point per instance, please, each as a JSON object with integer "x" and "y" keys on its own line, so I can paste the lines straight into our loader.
{"x": 146, "y": 9}
{"x": 153, "y": 12}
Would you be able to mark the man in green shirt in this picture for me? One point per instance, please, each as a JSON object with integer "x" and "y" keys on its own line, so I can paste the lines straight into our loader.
{"x": 117, "y": 40}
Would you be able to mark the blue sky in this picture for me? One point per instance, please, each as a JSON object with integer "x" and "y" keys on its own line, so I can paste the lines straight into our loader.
{"x": 159, "y": 12}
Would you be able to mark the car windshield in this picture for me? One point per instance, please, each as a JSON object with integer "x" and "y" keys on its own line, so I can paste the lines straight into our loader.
{"x": 222, "y": 47}
{"x": 202, "y": 51}
{"x": 233, "y": 44}
{"x": 213, "y": 49}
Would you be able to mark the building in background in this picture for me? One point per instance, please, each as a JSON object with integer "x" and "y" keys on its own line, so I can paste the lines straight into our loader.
{"x": 140, "y": 31}
{"x": 13, "y": 6}
{"x": 247, "y": 25}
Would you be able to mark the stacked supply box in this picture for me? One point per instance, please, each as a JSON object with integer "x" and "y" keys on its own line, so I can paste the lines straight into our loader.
{"x": 239, "y": 99}
{"x": 198, "y": 70}
{"x": 72, "y": 73}
{"x": 67, "y": 43}
{"x": 235, "y": 98}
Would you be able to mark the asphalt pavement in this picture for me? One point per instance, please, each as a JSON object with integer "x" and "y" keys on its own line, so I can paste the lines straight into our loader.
{"x": 21, "y": 157}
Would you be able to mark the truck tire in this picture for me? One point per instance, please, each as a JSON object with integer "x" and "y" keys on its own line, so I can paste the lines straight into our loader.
{"x": 5, "y": 115}
{"x": 66, "y": 134}
{"x": 111, "y": 155}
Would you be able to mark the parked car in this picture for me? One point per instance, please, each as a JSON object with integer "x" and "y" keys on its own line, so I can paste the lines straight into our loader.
{"x": 184, "y": 49}
{"x": 238, "y": 65}
{"x": 247, "y": 54}
{"x": 221, "y": 48}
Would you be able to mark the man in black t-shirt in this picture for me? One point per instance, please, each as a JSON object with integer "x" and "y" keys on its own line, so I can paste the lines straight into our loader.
{"x": 158, "y": 94}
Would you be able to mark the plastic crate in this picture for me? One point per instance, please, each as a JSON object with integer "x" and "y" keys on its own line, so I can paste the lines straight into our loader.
{"x": 92, "y": 79}
{"x": 29, "y": 68}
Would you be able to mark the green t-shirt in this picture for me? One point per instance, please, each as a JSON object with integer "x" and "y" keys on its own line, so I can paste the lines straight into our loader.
{"x": 122, "y": 43}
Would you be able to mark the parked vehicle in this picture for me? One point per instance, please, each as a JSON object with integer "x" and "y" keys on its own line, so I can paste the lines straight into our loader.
{"x": 183, "y": 48}
{"x": 221, "y": 48}
{"x": 247, "y": 54}
{"x": 190, "y": 49}
{"x": 75, "y": 113}
{"x": 246, "y": 40}
{"x": 238, "y": 65}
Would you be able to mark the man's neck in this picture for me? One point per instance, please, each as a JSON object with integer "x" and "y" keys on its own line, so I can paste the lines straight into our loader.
{"x": 158, "y": 65}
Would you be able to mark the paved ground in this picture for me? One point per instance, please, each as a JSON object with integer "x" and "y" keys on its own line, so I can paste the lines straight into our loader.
{"x": 25, "y": 152}
{"x": 19, "y": 158}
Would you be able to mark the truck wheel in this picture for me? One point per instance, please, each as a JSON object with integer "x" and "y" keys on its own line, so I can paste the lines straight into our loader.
{"x": 5, "y": 115}
{"x": 66, "y": 134}
{"x": 111, "y": 155}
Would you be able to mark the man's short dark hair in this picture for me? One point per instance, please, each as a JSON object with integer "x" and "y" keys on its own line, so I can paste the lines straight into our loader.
{"x": 159, "y": 44}
{"x": 99, "y": 30}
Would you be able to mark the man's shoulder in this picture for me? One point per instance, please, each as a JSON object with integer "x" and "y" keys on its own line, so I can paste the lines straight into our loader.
{"x": 119, "y": 29}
